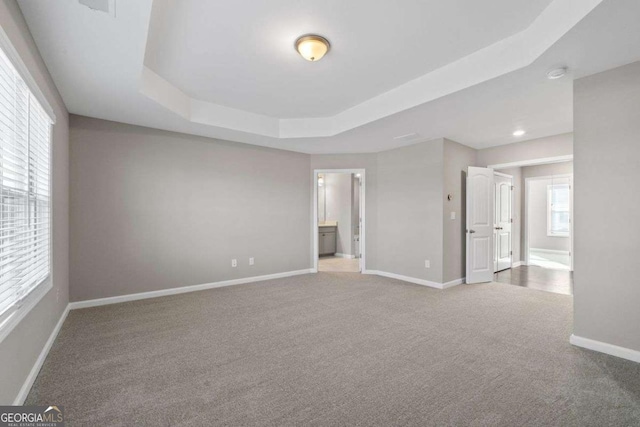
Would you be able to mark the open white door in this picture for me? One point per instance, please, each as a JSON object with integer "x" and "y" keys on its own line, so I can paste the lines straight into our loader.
{"x": 502, "y": 241}
{"x": 480, "y": 210}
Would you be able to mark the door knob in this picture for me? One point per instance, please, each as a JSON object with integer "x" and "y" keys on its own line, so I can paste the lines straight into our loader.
{"x": 472, "y": 231}
{"x": 498, "y": 228}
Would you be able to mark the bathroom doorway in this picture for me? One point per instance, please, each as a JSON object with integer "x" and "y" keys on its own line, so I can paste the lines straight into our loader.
{"x": 338, "y": 225}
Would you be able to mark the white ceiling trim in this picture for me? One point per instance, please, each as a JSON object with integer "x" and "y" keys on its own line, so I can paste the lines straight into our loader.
{"x": 505, "y": 56}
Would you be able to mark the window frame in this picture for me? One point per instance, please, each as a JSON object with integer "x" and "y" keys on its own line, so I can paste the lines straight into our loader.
{"x": 11, "y": 319}
{"x": 550, "y": 210}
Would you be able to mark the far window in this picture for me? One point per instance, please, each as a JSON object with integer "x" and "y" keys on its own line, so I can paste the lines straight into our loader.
{"x": 558, "y": 210}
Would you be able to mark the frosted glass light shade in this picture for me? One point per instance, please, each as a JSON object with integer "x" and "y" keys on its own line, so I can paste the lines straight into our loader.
{"x": 312, "y": 47}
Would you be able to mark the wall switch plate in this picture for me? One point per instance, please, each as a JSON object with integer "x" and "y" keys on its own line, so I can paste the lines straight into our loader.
{"x": 234, "y": 263}
{"x": 251, "y": 261}
{"x": 453, "y": 215}
{"x": 427, "y": 263}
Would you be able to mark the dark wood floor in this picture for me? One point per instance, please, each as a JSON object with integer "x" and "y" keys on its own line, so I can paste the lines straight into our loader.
{"x": 534, "y": 277}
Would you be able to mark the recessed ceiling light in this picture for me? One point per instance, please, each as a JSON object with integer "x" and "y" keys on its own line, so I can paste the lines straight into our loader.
{"x": 312, "y": 47}
{"x": 557, "y": 73}
{"x": 519, "y": 133}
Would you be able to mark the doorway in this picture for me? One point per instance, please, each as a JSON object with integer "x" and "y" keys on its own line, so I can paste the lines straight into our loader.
{"x": 548, "y": 222}
{"x": 339, "y": 220}
{"x": 515, "y": 256}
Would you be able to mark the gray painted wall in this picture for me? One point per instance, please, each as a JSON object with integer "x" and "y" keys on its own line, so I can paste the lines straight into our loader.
{"x": 20, "y": 349}
{"x": 404, "y": 205}
{"x": 338, "y": 188}
{"x": 457, "y": 159}
{"x": 410, "y": 187}
{"x": 154, "y": 210}
{"x": 607, "y": 168}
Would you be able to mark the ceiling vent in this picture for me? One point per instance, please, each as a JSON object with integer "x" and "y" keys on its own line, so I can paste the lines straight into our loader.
{"x": 106, "y": 6}
{"x": 408, "y": 137}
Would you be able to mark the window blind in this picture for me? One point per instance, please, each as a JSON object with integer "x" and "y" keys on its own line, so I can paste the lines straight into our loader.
{"x": 25, "y": 190}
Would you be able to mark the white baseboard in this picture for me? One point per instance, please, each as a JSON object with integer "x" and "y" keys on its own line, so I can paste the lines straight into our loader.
{"x": 518, "y": 264}
{"x": 453, "y": 283}
{"x": 603, "y": 347}
{"x": 341, "y": 255}
{"x": 549, "y": 251}
{"x": 182, "y": 290}
{"x": 414, "y": 280}
{"x": 26, "y": 387}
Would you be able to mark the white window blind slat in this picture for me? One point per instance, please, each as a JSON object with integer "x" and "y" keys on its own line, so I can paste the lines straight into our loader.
{"x": 24, "y": 190}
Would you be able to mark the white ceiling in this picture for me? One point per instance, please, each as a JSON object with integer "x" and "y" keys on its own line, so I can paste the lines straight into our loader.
{"x": 243, "y": 57}
{"x": 98, "y": 63}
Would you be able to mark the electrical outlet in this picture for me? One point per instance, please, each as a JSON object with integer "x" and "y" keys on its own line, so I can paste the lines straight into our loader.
{"x": 453, "y": 215}
{"x": 427, "y": 263}
{"x": 57, "y": 294}
{"x": 234, "y": 263}
{"x": 251, "y": 261}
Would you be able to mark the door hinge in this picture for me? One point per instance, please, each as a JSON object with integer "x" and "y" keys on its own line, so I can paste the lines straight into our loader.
{"x": 513, "y": 187}
{"x": 510, "y": 252}
{"x": 511, "y": 220}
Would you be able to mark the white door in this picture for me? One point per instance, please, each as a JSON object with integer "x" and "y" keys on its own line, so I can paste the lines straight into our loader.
{"x": 503, "y": 222}
{"x": 479, "y": 225}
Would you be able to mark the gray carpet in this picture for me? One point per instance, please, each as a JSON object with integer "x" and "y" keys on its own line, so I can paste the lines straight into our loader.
{"x": 336, "y": 349}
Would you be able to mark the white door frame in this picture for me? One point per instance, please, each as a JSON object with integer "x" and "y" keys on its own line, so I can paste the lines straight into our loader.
{"x": 314, "y": 226}
{"x": 504, "y": 175}
{"x": 526, "y": 213}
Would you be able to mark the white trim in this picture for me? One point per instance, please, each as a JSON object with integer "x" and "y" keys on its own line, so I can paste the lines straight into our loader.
{"x": 533, "y": 162}
{"x": 182, "y": 290}
{"x": 518, "y": 264}
{"x": 341, "y": 255}
{"x": 33, "y": 374}
{"x": 406, "y": 279}
{"x": 414, "y": 280}
{"x": 606, "y": 348}
{"x": 30, "y": 301}
{"x": 314, "y": 214}
{"x": 21, "y": 68}
{"x": 550, "y": 251}
{"x": 453, "y": 283}
{"x": 504, "y": 175}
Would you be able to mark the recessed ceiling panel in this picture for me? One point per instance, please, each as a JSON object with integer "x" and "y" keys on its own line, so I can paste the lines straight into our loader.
{"x": 241, "y": 54}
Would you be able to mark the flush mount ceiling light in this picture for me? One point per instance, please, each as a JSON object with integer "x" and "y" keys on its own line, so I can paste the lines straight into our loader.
{"x": 519, "y": 133}
{"x": 557, "y": 73}
{"x": 312, "y": 47}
